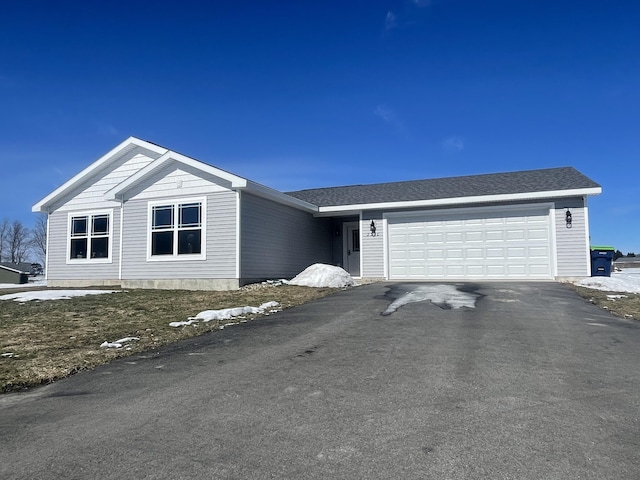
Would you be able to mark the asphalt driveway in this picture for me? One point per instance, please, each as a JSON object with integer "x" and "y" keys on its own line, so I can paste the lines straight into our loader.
{"x": 499, "y": 381}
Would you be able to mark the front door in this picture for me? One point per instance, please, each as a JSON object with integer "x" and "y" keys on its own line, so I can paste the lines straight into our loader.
{"x": 351, "y": 248}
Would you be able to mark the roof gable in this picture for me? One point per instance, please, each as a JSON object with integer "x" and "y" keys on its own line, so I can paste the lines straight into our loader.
{"x": 130, "y": 147}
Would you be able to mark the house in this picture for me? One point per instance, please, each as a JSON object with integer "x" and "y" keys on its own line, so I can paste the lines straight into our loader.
{"x": 145, "y": 216}
{"x": 14, "y": 272}
{"x": 627, "y": 262}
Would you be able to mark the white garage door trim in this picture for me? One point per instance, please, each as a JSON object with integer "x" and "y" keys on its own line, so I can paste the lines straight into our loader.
{"x": 500, "y": 242}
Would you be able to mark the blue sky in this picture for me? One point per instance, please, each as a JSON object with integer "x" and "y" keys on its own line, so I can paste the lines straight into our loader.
{"x": 301, "y": 94}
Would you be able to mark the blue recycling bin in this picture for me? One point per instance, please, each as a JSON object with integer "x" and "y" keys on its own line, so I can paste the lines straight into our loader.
{"x": 601, "y": 261}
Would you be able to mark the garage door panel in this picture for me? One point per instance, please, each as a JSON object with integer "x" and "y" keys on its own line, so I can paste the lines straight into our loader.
{"x": 473, "y": 245}
{"x": 538, "y": 234}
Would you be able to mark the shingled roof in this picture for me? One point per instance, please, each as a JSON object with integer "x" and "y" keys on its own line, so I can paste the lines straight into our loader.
{"x": 528, "y": 181}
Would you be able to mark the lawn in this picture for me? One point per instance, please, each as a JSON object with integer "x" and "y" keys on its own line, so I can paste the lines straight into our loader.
{"x": 626, "y": 305}
{"x": 42, "y": 341}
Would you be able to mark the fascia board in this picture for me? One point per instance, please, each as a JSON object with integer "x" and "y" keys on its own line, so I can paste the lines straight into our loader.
{"x": 460, "y": 200}
{"x": 71, "y": 183}
{"x": 234, "y": 180}
{"x": 279, "y": 197}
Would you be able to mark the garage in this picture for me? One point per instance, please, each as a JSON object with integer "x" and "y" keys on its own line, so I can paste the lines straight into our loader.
{"x": 509, "y": 242}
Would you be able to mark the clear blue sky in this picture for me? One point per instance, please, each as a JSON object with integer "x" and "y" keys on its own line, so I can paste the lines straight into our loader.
{"x": 300, "y": 94}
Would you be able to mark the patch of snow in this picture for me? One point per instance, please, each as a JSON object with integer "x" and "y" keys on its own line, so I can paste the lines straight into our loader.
{"x": 118, "y": 343}
{"x": 322, "y": 275}
{"x": 8, "y": 355}
{"x": 626, "y": 281}
{"x": 444, "y": 296}
{"x": 52, "y": 294}
{"x": 225, "y": 314}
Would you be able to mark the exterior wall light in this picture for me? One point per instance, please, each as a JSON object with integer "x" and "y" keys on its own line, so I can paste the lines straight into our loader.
{"x": 372, "y": 228}
{"x": 568, "y": 218}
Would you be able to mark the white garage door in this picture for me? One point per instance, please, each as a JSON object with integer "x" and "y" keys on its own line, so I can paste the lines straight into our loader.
{"x": 478, "y": 243}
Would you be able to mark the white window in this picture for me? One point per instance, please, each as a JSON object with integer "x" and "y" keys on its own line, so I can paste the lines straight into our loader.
{"x": 89, "y": 237}
{"x": 176, "y": 230}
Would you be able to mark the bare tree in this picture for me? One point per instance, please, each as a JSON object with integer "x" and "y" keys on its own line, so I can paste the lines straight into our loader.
{"x": 18, "y": 242}
{"x": 39, "y": 238}
{"x": 4, "y": 231}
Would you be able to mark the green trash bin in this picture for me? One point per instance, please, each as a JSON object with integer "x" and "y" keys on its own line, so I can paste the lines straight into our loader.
{"x": 601, "y": 261}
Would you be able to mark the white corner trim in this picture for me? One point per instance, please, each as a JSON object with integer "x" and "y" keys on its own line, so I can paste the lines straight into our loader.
{"x": 462, "y": 200}
{"x": 238, "y": 230}
{"x": 587, "y": 239}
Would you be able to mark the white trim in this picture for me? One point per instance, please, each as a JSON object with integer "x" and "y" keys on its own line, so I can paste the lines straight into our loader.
{"x": 460, "y": 200}
{"x": 90, "y": 214}
{"x": 238, "y": 229}
{"x": 46, "y": 255}
{"x": 361, "y": 232}
{"x": 105, "y": 159}
{"x": 385, "y": 246}
{"x": 554, "y": 240}
{"x": 175, "y": 257}
{"x": 121, "y": 243}
{"x": 587, "y": 238}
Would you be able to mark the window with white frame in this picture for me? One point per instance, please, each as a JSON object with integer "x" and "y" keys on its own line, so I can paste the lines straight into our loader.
{"x": 90, "y": 236}
{"x": 176, "y": 229}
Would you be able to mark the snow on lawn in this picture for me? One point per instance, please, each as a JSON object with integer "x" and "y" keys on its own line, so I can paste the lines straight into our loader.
{"x": 226, "y": 314}
{"x": 119, "y": 343}
{"x": 627, "y": 281}
{"x": 52, "y": 294}
{"x": 321, "y": 275}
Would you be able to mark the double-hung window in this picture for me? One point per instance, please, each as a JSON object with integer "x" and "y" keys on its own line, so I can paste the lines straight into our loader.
{"x": 89, "y": 236}
{"x": 176, "y": 229}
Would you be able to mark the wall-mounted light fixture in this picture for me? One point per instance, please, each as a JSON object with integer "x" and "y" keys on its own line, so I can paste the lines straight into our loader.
{"x": 372, "y": 228}
{"x": 568, "y": 218}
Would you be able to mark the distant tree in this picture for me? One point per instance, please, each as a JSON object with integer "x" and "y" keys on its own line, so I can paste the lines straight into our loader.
{"x": 18, "y": 242}
{"x": 4, "y": 230}
{"x": 39, "y": 238}
{"x": 631, "y": 254}
{"x": 617, "y": 254}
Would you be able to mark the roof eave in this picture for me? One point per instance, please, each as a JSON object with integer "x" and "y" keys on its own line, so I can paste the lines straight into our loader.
{"x": 279, "y": 197}
{"x": 328, "y": 210}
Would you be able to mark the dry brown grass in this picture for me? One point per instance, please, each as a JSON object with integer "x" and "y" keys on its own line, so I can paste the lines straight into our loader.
{"x": 56, "y": 338}
{"x": 628, "y": 306}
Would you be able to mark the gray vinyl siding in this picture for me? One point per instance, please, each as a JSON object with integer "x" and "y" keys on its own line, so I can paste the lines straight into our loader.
{"x": 372, "y": 246}
{"x": 57, "y": 266}
{"x": 572, "y": 249}
{"x": 278, "y": 241}
{"x": 220, "y": 261}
